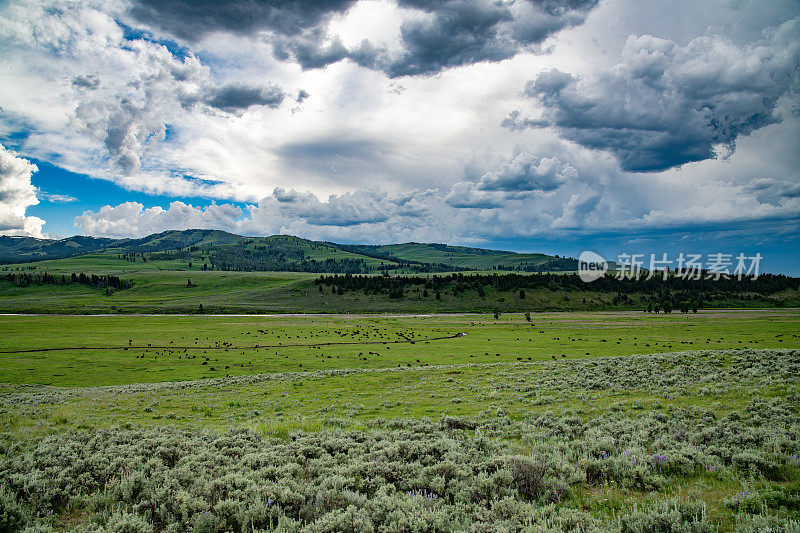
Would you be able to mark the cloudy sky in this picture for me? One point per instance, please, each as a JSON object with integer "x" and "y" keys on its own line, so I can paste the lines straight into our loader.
{"x": 621, "y": 126}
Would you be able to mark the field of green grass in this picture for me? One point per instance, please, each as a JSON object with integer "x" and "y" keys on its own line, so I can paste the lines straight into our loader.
{"x": 604, "y": 421}
{"x": 338, "y": 351}
{"x": 157, "y": 290}
{"x": 163, "y": 286}
{"x": 111, "y": 350}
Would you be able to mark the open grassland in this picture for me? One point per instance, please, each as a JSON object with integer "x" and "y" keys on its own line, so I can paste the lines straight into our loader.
{"x": 164, "y": 292}
{"x": 648, "y": 423}
{"x": 108, "y": 350}
{"x": 158, "y": 286}
{"x": 173, "y": 286}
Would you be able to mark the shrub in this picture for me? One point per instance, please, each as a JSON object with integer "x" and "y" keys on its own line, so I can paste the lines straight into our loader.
{"x": 671, "y": 516}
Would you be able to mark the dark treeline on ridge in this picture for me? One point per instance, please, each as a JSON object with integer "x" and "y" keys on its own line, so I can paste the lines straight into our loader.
{"x": 233, "y": 261}
{"x": 654, "y": 294}
{"x": 92, "y": 280}
{"x": 279, "y": 255}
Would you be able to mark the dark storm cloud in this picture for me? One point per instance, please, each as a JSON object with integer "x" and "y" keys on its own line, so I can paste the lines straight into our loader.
{"x": 192, "y": 19}
{"x": 462, "y": 32}
{"x": 238, "y": 96}
{"x": 308, "y": 50}
{"x": 452, "y": 33}
{"x": 316, "y": 49}
{"x": 548, "y": 84}
{"x": 545, "y": 17}
{"x": 665, "y": 105}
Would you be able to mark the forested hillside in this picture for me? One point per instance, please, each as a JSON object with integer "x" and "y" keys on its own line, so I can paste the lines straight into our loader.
{"x": 219, "y": 250}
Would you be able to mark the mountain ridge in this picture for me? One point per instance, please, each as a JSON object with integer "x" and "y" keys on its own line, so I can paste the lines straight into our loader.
{"x": 239, "y": 251}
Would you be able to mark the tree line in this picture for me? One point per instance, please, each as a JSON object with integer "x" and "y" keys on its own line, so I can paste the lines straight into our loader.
{"x": 93, "y": 280}
{"x": 246, "y": 260}
{"x": 655, "y": 294}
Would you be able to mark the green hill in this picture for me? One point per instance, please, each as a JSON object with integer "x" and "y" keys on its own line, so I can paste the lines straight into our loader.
{"x": 175, "y": 240}
{"x": 463, "y": 257}
{"x": 21, "y": 249}
{"x": 220, "y": 250}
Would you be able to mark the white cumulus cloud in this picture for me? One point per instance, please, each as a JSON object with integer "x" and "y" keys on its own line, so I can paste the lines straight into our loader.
{"x": 16, "y": 195}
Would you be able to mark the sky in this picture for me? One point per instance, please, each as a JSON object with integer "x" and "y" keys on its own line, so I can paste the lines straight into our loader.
{"x": 618, "y": 126}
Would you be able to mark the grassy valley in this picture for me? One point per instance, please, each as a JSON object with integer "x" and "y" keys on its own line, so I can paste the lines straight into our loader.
{"x": 216, "y": 272}
{"x": 200, "y": 381}
{"x": 579, "y": 421}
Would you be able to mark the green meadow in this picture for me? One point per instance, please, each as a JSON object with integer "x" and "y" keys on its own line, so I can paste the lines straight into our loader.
{"x": 91, "y": 350}
{"x": 576, "y": 421}
{"x": 175, "y": 287}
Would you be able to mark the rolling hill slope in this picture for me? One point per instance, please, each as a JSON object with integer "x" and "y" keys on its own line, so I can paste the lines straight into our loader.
{"x": 220, "y": 250}
{"x": 21, "y": 249}
{"x": 463, "y": 257}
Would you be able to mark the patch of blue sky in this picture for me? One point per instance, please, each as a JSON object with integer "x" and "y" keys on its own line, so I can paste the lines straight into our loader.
{"x": 130, "y": 33}
{"x": 91, "y": 194}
